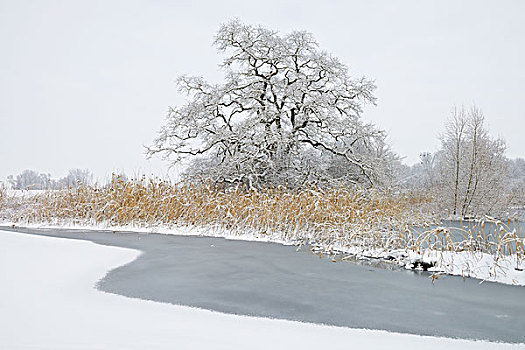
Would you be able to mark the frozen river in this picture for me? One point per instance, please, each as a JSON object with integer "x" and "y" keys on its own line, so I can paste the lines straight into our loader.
{"x": 271, "y": 280}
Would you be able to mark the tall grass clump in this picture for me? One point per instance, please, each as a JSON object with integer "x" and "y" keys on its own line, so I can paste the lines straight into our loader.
{"x": 486, "y": 249}
{"x": 499, "y": 239}
{"x": 334, "y": 218}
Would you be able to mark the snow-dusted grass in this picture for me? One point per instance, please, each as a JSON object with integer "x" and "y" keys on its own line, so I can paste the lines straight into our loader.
{"x": 362, "y": 223}
{"x": 343, "y": 216}
{"x": 48, "y": 301}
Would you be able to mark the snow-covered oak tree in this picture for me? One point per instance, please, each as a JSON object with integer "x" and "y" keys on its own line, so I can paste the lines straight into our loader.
{"x": 287, "y": 113}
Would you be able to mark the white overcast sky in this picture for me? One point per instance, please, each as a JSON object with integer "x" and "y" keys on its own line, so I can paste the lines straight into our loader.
{"x": 85, "y": 84}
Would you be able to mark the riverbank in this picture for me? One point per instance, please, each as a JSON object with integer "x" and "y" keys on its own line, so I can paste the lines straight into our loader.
{"x": 484, "y": 267}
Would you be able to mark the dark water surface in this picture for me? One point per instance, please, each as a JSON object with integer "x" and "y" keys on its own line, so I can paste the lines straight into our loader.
{"x": 485, "y": 227}
{"x": 272, "y": 280}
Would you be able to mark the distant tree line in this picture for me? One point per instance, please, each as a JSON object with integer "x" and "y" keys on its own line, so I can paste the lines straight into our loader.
{"x": 33, "y": 180}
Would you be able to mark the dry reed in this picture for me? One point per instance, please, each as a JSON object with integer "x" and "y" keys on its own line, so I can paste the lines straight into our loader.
{"x": 499, "y": 241}
{"x": 331, "y": 217}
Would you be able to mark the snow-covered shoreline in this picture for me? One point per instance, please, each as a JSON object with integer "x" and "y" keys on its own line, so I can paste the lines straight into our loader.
{"x": 51, "y": 305}
{"x": 482, "y": 266}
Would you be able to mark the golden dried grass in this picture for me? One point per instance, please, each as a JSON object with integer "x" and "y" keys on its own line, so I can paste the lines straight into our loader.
{"x": 331, "y": 217}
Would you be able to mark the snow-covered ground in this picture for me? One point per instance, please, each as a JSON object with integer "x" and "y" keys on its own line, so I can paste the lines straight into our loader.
{"x": 24, "y": 193}
{"x": 48, "y": 301}
{"x": 505, "y": 269}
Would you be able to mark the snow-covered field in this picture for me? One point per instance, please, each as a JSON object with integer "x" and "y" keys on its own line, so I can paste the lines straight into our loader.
{"x": 48, "y": 301}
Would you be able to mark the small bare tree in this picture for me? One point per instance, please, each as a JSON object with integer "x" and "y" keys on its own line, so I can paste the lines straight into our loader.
{"x": 452, "y": 148}
{"x": 76, "y": 177}
{"x": 472, "y": 164}
{"x": 428, "y": 169}
{"x": 286, "y": 113}
{"x": 516, "y": 186}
